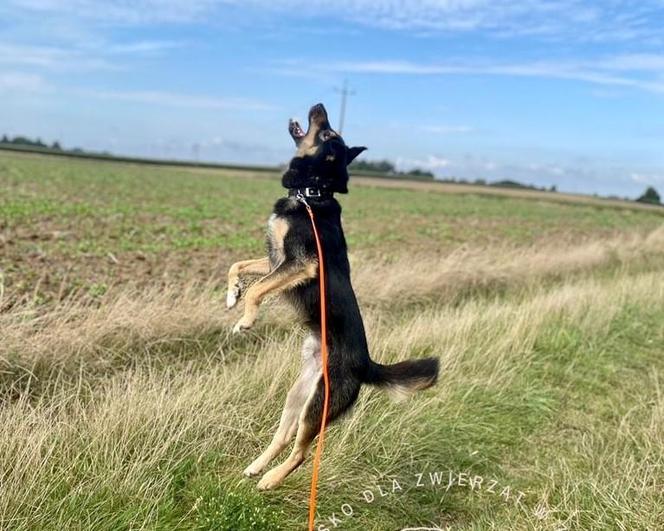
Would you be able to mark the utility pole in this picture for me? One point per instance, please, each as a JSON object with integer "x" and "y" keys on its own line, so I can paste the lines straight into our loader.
{"x": 345, "y": 92}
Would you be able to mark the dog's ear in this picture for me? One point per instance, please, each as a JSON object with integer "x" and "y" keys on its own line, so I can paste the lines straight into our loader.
{"x": 352, "y": 153}
{"x": 296, "y": 131}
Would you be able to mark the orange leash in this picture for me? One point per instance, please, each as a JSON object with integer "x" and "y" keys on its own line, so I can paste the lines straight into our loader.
{"x": 326, "y": 376}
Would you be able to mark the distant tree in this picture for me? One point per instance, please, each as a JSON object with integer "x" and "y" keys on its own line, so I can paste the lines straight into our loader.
{"x": 480, "y": 182}
{"x": 553, "y": 188}
{"x": 417, "y": 172}
{"x": 386, "y": 167}
{"x": 380, "y": 166}
{"x": 650, "y": 196}
{"x": 25, "y": 141}
{"x": 21, "y": 141}
{"x": 5, "y": 140}
{"x": 506, "y": 183}
{"x": 56, "y": 146}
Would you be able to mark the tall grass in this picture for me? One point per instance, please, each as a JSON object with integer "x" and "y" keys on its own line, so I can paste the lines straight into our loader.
{"x": 139, "y": 410}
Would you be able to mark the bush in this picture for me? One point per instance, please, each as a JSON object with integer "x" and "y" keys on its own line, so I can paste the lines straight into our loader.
{"x": 650, "y": 196}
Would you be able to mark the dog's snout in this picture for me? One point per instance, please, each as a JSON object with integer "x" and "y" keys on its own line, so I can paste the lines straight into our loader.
{"x": 318, "y": 114}
{"x": 317, "y": 109}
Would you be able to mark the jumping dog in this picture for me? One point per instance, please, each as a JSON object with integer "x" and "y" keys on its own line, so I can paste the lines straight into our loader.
{"x": 317, "y": 171}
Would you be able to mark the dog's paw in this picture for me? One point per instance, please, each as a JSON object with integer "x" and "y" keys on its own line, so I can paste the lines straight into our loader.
{"x": 232, "y": 296}
{"x": 242, "y": 325}
{"x": 270, "y": 480}
{"x": 252, "y": 470}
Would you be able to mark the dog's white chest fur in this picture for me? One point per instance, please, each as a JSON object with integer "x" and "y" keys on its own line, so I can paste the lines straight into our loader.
{"x": 277, "y": 228}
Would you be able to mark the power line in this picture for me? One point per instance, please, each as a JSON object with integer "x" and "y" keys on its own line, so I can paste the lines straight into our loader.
{"x": 345, "y": 92}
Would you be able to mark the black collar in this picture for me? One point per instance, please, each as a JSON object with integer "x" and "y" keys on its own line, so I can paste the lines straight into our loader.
{"x": 310, "y": 192}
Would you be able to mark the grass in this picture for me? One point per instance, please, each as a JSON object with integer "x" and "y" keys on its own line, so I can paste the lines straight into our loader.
{"x": 71, "y": 225}
{"x": 134, "y": 408}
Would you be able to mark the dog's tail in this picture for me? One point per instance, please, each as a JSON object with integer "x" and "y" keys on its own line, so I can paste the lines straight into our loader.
{"x": 404, "y": 378}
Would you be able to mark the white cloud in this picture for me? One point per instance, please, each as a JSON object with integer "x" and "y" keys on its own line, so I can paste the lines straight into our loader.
{"x": 171, "y": 99}
{"x": 636, "y": 62}
{"x": 585, "y": 176}
{"x": 604, "y": 71}
{"x": 121, "y": 12}
{"x": 432, "y": 163}
{"x": 51, "y": 58}
{"x": 21, "y": 83}
{"x": 97, "y": 55}
{"x": 648, "y": 178}
{"x": 621, "y": 20}
{"x": 142, "y": 47}
{"x": 563, "y": 19}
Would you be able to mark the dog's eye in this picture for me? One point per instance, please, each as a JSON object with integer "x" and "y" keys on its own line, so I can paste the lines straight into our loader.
{"x": 325, "y": 135}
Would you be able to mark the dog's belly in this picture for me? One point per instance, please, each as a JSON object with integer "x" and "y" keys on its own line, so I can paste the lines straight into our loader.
{"x": 277, "y": 227}
{"x": 311, "y": 357}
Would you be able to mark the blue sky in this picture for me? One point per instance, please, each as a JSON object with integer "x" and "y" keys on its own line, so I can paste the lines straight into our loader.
{"x": 549, "y": 92}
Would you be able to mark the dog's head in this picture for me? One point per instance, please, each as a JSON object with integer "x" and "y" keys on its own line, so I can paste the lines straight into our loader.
{"x": 322, "y": 156}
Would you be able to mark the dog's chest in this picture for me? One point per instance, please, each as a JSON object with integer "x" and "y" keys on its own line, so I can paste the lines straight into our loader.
{"x": 277, "y": 227}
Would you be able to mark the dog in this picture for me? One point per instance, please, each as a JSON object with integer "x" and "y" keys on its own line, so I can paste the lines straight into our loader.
{"x": 316, "y": 172}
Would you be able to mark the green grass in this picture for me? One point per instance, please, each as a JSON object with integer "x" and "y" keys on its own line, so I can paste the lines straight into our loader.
{"x": 135, "y": 408}
{"x": 70, "y": 225}
{"x": 119, "y": 207}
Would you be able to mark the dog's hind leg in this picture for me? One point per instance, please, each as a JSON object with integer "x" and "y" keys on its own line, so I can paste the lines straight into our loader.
{"x": 286, "y": 430}
{"x": 297, "y": 398}
{"x": 342, "y": 397}
{"x": 306, "y": 433}
{"x": 261, "y": 266}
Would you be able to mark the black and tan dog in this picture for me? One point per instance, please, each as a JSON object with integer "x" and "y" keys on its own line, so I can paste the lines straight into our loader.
{"x": 317, "y": 171}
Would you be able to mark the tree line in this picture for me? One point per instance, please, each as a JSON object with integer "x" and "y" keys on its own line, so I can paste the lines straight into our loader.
{"x": 36, "y": 143}
{"x": 384, "y": 167}
{"x": 388, "y": 168}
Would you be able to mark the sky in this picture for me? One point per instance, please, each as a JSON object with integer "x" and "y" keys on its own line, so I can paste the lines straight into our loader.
{"x": 567, "y": 93}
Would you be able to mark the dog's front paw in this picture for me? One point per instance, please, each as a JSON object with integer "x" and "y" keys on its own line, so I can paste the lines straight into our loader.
{"x": 243, "y": 324}
{"x": 253, "y": 470}
{"x": 232, "y": 296}
{"x": 270, "y": 480}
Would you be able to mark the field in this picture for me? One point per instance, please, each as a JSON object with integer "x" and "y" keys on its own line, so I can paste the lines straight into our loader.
{"x": 125, "y": 402}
